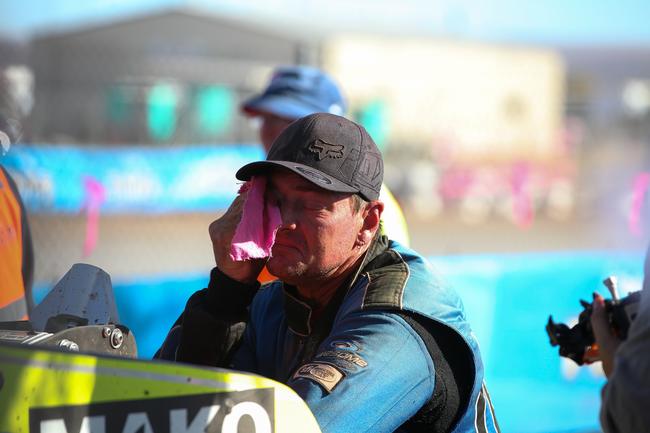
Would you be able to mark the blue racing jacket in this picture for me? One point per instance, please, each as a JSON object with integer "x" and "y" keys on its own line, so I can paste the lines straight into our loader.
{"x": 394, "y": 352}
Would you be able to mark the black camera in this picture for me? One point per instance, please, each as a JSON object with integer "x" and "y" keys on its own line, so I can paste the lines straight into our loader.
{"x": 577, "y": 342}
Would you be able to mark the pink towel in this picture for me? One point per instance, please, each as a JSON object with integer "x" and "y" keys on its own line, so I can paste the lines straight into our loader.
{"x": 255, "y": 234}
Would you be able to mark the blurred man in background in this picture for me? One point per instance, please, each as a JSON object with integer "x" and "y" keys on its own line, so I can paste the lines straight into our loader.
{"x": 297, "y": 91}
{"x": 16, "y": 255}
{"x": 626, "y": 395}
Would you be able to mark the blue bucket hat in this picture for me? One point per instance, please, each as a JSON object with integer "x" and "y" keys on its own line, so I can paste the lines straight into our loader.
{"x": 295, "y": 92}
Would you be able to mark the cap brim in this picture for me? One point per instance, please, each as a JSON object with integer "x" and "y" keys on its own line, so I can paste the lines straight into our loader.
{"x": 277, "y": 105}
{"x": 316, "y": 177}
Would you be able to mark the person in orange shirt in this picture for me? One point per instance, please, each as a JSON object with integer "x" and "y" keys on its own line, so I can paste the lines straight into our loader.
{"x": 16, "y": 253}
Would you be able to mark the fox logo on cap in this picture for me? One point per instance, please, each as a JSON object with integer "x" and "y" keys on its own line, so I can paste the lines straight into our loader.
{"x": 326, "y": 150}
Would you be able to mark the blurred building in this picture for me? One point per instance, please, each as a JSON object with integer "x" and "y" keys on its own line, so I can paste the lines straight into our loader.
{"x": 484, "y": 102}
{"x": 165, "y": 77}
{"x": 12, "y": 52}
{"x": 16, "y": 93}
{"x": 609, "y": 88}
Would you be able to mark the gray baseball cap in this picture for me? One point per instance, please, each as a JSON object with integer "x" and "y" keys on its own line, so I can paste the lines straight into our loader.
{"x": 330, "y": 151}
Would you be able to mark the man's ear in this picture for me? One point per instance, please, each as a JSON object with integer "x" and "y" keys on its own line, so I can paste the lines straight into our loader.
{"x": 371, "y": 218}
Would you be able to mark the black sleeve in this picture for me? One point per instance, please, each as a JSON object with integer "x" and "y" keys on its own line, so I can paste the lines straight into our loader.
{"x": 454, "y": 370}
{"x": 212, "y": 324}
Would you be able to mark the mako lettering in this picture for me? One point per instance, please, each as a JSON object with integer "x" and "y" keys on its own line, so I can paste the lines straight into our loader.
{"x": 249, "y": 411}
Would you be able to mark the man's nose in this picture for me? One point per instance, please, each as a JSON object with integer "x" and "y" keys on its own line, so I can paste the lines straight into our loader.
{"x": 287, "y": 226}
{"x": 288, "y": 220}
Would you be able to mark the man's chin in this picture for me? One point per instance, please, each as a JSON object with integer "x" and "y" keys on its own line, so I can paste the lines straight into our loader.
{"x": 287, "y": 272}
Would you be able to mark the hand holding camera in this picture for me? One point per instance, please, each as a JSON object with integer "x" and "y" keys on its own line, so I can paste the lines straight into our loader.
{"x": 600, "y": 329}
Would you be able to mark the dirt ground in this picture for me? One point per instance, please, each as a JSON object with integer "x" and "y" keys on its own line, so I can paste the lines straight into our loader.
{"x": 136, "y": 247}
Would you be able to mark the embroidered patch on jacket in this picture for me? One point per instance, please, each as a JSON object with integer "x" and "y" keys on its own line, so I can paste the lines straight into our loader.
{"x": 326, "y": 375}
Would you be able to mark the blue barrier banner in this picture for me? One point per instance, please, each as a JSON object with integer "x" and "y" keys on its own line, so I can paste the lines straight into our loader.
{"x": 508, "y": 299}
{"x": 69, "y": 179}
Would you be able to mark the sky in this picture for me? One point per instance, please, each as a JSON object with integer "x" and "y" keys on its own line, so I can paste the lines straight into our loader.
{"x": 547, "y": 22}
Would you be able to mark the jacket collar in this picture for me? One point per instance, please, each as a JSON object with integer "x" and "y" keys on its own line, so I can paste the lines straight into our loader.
{"x": 299, "y": 312}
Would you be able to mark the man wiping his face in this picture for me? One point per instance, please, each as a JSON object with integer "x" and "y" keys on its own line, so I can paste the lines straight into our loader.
{"x": 358, "y": 325}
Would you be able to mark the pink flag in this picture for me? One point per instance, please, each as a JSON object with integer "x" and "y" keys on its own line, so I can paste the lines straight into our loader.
{"x": 641, "y": 184}
{"x": 95, "y": 195}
